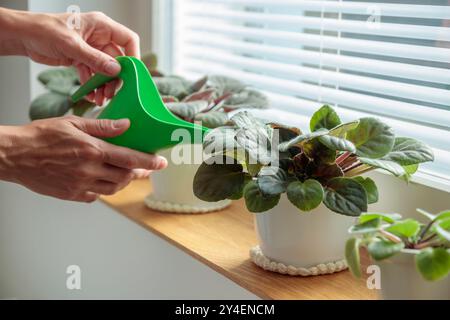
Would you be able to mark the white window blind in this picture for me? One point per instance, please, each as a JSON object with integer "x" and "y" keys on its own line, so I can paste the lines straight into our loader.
{"x": 390, "y": 60}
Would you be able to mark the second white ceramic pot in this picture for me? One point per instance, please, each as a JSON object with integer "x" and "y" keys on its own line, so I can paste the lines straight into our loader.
{"x": 302, "y": 239}
{"x": 172, "y": 187}
{"x": 400, "y": 280}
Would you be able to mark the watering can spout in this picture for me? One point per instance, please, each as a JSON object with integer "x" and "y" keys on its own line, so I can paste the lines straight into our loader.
{"x": 153, "y": 127}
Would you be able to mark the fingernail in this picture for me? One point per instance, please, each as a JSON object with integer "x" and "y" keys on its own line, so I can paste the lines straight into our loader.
{"x": 112, "y": 68}
{"x": 122, "y": 123}
{"x": 162, "y": 163}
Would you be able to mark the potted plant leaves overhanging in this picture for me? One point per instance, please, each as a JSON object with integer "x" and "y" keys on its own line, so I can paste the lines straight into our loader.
{"x": 414, "y": 257}
{"x": 60, "y": 84}
{"x": 209, "y": 101}
{"x": 305, "y": 188}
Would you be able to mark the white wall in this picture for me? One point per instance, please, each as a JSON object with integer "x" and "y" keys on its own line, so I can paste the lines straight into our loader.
{"x": 40, "y": 237}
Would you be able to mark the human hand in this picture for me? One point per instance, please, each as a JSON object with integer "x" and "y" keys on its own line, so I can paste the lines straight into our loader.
{"x": 47, "y": 39}
{"x": 62, "y": 158}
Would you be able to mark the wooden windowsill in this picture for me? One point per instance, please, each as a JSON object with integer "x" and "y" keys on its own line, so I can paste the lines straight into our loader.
{"x": 222, "y": 241}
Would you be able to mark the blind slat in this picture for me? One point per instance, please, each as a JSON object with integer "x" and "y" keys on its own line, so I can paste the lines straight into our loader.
{"x": 386, "y": 87}
{"x": 381, "y": 67}
{"x": 361, "y": 8}
{"x": 352, "y": 45}
{"x": 358, "y": 27}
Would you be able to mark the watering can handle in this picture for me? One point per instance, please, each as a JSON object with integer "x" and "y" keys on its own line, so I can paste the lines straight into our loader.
{"x": 93, "y": 83}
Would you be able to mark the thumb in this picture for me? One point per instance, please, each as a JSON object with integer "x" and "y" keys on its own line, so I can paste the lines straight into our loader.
{"x": 103, "y": 128}
{"x": 96, "y": 60}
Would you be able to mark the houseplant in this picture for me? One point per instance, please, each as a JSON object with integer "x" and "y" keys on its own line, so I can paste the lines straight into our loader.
{"x": 281, "y": 171}
{"x": 209, "y": 101}
{"x": 414, "y": 257}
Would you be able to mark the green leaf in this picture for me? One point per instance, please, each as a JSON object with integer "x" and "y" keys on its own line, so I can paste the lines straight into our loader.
{"x": 285, "y": 133}
{"x": 256, "y": 201}
{"x": 372, "y": 138}
{"x": 172, "y": 86}
{"x": 409, "y": 171}
{"x": 256, "y": 143}
{"x": 387, "y": 217}
{"x": 382, "y": 249}
{"x": 70, "y": 74}
{"x": 306, "y": 195}
{"x": 442, "y": 228}
{"x": 187, "y": 110}
{"x": 283, "y": 147}
{"x": 81, "y": 107}
{"x": 239, "y": 194}
{"x": 433, "y": 263}
{"x": 345, "y": 196}
{"x": 368, "y": 226}
{"x": 408, "y": 151}
{"x": 342, "y": 129}
{"x": 49, "y": 105}
{"x": 318, "y": 152}
{"x": 324, "y": 171}
{"x": 387, "y": 165}
{"x": 206, "y": 95}
{"x": 245, "y": 120}
{"x": 442, "y": 215}
{"x": 225, "y": 85}
{"x": 430, "y": 216}
{"x": 272, "y": 181}
{"x": 212, "y": 119}
{"x": 247, "y": 99}
{"x": 219, "y": 140}
{"x": 218, "y": 181}
{"x": 407, "y": 228}
{"x": 324, "y": 118}
{"x": 352, "y": 256}
{"x": 370, "y": 187}
{"x": 338, "y": 144}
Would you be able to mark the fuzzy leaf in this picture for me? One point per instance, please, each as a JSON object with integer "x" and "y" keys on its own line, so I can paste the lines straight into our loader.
{"x": 150, "y": 60}
{"x": 256, "y": 201}
{"x": 247, "y": 99}
{"x": 443, "y": 229}
{"x": 382, "y": 249}
{"x": 372, "y": 138}
{"x": 59, "y": 73}
{"x": 388, "y": 217}
{"x": 212, "y": 119}
{"x": 256, "y": 143}
{"x": 301, "y": 139}
{"x": 246, "y": 120}
{"x": 368, "y": 226}
{"x": 305, "y": 195}
{"x": 408, "y": 151}
{"x": 172, "y": 86}
{"x": 342, "y": 129}
{"x": 345, "y": 196}
{"x": 187, "y": 110}
{"x": 214, "y": 182}
{"x": 206, "y": 95}
{"x": 219, "y": 140}
{"x": 407, "y": 228}
{"x": 324, "y": 118}
{"x": 338, "y": 144}
{"x": 433, "y": 263}
{"x": 389, "y": 166}
{"x": 49, "y": 105}
{"x": 224, "y": 85}
{"x": 370, "y": 187}
{"x": 352, "y": 256}
{"x": 285, "y": 133}
{"x": 272, "y": 181}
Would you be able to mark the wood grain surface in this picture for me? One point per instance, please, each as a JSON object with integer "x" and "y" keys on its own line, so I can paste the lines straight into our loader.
{"x": 222, "y": 241}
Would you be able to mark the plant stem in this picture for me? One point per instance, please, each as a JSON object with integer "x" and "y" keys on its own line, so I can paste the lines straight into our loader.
{"x": 391, "y": 236}
{"x": 343, "y": 157}
{"x": 358, "y": 170}
{"x": 425, "y": 230}
{"x": 428, "y": 239}
{"x": 352, "y": 166}
{"x": 426, "y": 244}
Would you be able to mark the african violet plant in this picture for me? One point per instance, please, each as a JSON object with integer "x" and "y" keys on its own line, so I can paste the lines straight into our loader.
{"x": 385, "y": 235}
{"x": 208, "y": 100}
{"x": 321, "y": 166}
{"x": 61, "y": 83}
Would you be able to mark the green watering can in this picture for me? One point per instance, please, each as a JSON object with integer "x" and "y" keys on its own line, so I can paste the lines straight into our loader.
{"x": 151, "y": 123}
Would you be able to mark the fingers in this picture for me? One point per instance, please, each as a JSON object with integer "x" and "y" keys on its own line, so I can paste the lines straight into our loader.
{"x": 130, "y": 159}
{"x": 107, "y": 188}
{"x": 141, "y": 173}
{"x": 96, "y": 60}
{"x": 87, "y": 197}
{"x": 102, "y": 128}
{"x": 125, "y": 38}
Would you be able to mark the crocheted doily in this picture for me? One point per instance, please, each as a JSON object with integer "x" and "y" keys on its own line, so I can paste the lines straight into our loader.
{"x": 182, "y": 208}
{"x": 323, "y": 268}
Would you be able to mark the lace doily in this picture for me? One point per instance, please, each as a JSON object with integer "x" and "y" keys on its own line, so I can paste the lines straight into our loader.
{"x": 182, "y": 208}
{"x": 323, "y": 268}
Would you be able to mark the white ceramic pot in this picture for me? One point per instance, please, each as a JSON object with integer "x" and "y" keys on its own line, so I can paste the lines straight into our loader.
{"x": 401, "y": 280}
{"x": 172, "y": 188}
{"x": 302, "y": 239}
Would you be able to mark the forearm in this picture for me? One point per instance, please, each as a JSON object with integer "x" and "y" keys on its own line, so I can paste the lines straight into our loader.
{"x": 6, "y": 142}
{"x": 13, "y": 23}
